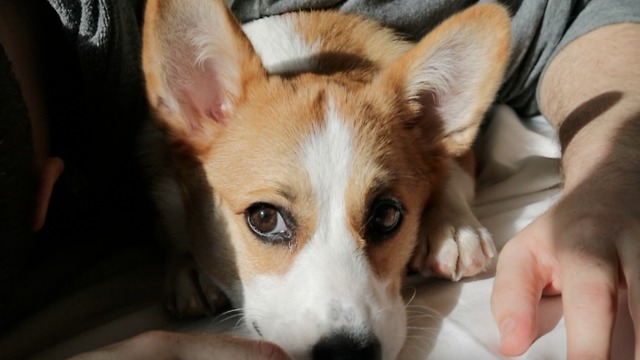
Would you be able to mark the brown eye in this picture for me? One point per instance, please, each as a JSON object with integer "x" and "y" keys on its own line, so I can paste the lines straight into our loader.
{"x": 267, "y": 222}
{"x": 385, "y": 218}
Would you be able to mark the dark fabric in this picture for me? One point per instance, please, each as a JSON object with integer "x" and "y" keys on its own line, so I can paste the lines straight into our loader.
{"x": 16, "y": 184}
{"x": 95, "y": 104}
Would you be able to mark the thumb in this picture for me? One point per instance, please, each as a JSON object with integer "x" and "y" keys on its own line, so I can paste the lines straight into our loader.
{"x": 516, "y": 293}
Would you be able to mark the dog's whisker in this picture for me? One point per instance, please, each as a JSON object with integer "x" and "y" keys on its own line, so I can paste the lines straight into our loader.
{"x": 262, "y": 317}
{"x": 423, "y": 328}
{"x": 418, "y": 308}
{"x": 237, "y": 318}
{"x": 423, "y": 311}
{"x": 415, "y": 306}
{"x": 418, "y": 313}
{"x": 413, "y": 318}
{"x": 422, "y": 319}
{"x": 421, "y": 314}
{"x": 413, "y": 296}
{"x": 239, "y": 323}
{"x": 227, "y": 315}
{"x": 425, "y": 338}
{"x": 417, "y": 341}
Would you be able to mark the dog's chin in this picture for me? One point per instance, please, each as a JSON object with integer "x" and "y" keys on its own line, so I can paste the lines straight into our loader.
{"x": 381, "y": 340}
{"x": 321, "y": 324}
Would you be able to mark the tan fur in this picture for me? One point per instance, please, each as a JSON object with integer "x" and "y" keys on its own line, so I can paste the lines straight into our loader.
{"x": 482, "y": 22}
{"x": 281, "y": 100}
{"x": 407, "y": 167}
{"x": 248, "y": 153}
{"x": 352, "y": 48}
{"x": 267, "y": 144}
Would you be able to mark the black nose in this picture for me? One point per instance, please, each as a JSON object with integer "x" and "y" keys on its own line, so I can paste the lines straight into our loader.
{"x": 347, "y": 346}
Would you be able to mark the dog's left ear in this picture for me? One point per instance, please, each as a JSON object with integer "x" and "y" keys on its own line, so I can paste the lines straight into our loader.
{"x": 457, "y": 68}
{"x": 197, "y": 64}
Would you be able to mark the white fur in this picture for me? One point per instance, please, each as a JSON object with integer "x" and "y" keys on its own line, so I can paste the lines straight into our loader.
{"x": 280, "y": 46}
{"x": 462, "y": 246}
{"x": 330, "y": 284}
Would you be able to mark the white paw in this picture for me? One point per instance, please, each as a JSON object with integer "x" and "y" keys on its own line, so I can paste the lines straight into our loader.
{"x": 455, "y": 249}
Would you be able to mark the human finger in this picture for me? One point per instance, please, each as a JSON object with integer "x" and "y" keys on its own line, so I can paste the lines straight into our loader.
{"x": 230, "y": 347}
{"x": 631, "y": 269}
{"x": 50, "y": 171}
{"x": 634, "y": 310}
{"x": 589, "y": 296}
{"x": 514, "y": 301}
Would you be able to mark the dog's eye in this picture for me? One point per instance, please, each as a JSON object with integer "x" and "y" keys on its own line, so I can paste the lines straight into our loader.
{"x": 267, "y": 222}
{"x": 384, "y": 219}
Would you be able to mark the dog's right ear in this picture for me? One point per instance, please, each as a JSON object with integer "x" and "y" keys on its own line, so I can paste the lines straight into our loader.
{"x": 455, "y": 70}
{"x": 197, "y": 63}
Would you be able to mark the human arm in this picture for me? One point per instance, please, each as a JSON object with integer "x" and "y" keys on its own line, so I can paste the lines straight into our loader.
{"x": 186, "y": 346}
{"x": 21, "y": 37}
{"x": 589, "y": 241}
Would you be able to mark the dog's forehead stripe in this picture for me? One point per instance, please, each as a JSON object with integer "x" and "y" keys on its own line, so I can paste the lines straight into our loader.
{"x": 328, "y": 160}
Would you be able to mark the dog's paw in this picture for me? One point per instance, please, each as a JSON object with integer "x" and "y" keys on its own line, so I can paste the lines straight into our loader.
{"x": 191, "y": 292}
{"x": 454, "y": 248}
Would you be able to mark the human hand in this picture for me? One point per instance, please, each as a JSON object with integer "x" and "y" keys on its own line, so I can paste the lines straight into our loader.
{"x": 583, "y": 248}
{"x": 168, "y": 345}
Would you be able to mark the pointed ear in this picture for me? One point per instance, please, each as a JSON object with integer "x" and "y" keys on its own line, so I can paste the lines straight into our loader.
{"x": 196, "y": 62}
{"x": 457, "y": 68}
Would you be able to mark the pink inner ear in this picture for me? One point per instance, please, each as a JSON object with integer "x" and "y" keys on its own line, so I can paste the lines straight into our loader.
{"x": 203, "y": 98}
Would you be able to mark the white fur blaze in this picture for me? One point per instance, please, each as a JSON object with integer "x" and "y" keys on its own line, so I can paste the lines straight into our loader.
{"x": 330, "y": 285}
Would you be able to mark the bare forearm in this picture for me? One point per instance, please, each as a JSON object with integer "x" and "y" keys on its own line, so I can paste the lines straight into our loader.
{"x": 21, "y": 38}
{"x": 586, "y": 243}
{"x": 186, "y": 346}
{"x": 591, "y": 93}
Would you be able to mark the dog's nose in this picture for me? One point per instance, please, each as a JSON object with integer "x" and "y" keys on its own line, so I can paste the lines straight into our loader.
{"x": 347, "y": 346}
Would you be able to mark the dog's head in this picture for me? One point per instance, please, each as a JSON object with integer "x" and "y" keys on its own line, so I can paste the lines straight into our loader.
{"x": 319, "y": 147}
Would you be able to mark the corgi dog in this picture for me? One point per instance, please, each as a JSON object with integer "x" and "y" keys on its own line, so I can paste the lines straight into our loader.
{"x": 301, "y": 162}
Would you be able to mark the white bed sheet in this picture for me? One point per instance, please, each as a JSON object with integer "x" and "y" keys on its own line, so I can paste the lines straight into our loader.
{"x": 518, "y": 181}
